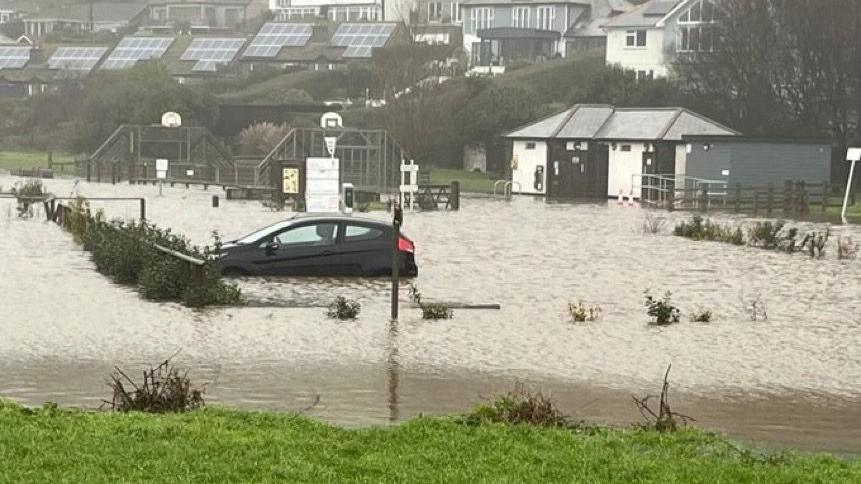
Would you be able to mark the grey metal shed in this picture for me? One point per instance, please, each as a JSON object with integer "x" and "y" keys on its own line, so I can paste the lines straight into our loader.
{"x": 758, "y": 161}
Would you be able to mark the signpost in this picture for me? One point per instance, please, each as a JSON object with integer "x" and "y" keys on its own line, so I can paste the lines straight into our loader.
{"x": 161, "y": 166}
{"x": 853, "y": 155}
{"x": 397, "y": 221}
{"x": 409, "y": 178}
{"x": 322, "y": 185}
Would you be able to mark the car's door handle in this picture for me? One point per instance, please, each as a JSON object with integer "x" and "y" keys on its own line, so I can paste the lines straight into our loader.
{"x": 328, "y": 252}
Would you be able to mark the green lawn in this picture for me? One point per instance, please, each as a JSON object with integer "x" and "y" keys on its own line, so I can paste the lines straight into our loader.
{"x": 218, "y": 445}
{"x": 10, "y": 160}
{"x": 853, "y": 212}
{"x": 470, "y": 181}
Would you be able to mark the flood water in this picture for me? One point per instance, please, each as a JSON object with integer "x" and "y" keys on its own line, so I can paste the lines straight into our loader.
{"x": 791, "y": 380}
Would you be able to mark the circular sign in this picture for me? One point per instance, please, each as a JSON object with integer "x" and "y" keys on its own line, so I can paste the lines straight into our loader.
{"x": 171, "y": 120}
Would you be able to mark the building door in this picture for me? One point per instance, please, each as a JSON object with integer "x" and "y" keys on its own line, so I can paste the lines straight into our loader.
{"x": 579, "y": 174}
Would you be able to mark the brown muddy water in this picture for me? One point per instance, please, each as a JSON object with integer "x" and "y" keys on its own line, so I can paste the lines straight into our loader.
{"x": 792, "y": 380}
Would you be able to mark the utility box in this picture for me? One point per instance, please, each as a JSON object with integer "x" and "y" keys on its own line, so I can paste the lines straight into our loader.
{"x": 347, "y": 197}
{"x": 290, "y": 183}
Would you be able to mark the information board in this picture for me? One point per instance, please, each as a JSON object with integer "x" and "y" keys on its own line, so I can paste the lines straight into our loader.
{"x": 322, "y": 185}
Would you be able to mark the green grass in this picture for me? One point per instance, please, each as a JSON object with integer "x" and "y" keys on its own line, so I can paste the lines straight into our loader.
{"x": 470, "y": 181}
{"x": 10, "y": 160}
{"x": 217, "y": 445}
{"x": 853, "y": 212}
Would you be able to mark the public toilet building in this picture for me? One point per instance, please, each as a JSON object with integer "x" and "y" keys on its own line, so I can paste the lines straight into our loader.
{"x": 600, "y": 151}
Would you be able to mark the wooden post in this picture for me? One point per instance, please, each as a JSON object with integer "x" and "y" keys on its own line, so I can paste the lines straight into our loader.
{"x": 671, "y": 198}
{"x": 396, "y": 260}
{"x": 826, "y": 195}
{"x": 738, "y": 197}
{"x": 770, "y": 207}
{"x": 803, "y": 200}
{"x": 454, "y": 195}
{"x": 704, "y": 198}
{"x": 787, "y": 197}
{"x": 755, "y": 201}
{"x": 89, "y": 169}
{"x": 143, "y": 209}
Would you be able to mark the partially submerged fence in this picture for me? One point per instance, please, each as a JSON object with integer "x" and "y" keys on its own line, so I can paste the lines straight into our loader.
{"x": 788, "y": 198}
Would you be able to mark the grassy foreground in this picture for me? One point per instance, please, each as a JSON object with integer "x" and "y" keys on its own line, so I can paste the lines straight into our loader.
{"x": 217, "y": 445}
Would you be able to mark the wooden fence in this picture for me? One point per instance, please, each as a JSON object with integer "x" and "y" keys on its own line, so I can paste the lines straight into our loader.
{"x": 790, "y": 198}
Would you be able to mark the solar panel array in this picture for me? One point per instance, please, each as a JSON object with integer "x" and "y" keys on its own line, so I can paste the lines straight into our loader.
{"x": 273, "y": 36}
{"x": 132, "y": 49}
{"x": 210, "y": 52}
{"x": 76, "y": 58}
{"x": 360, "y": 39}
{"x": 14, "y": 57}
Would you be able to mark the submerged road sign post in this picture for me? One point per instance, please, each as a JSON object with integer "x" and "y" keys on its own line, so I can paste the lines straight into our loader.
{"x": 397, "y": 221}
{"x": 853, "y": 155}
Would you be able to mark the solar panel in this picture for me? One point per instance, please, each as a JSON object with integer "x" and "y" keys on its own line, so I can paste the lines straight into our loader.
{"x": 209, "y": 52}
{"x": 76, "y": 58}
{"x": 132, "y": 49}
{"x": 360, "y": 39}
{"x": 273, "y": 36}
{"x": 14, "y": 57}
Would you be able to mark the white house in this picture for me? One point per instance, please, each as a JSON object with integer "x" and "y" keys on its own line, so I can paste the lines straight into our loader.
{"x": 598, "y": 151}
{"x": 334, "y": 10}
{"x": 648, "y": 38}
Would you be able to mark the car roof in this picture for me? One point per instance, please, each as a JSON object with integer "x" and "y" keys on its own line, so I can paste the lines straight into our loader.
{"x": 328, "y": 217}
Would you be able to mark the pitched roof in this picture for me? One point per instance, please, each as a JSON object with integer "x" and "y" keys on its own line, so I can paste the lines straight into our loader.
{"x": 80, "y": 12}
{"x": 649, "y": 14}
{"x": 604, "y": 122}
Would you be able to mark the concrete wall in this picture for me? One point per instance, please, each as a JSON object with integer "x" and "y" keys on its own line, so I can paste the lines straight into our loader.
{"x": 759, "y": 162}
{"x": 527, "y": 161}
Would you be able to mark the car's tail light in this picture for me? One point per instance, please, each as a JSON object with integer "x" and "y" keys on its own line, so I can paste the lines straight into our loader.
{"x": 406, "y": 245}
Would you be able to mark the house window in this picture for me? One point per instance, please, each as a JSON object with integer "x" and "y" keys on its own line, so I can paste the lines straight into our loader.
{"x": 625, "y": 147}
{"x": 530, "y": 146}
{"x": 435, "y": 12}
{"x": 456, "y": 12}
{"x": 544, "y": 18}
{"x": 520, "y": 17}
{"x": 481, "y": 18}
{"x": 635, "y": 38}
{"x": 697, "y": 28}
{"x": 643, "y": 74}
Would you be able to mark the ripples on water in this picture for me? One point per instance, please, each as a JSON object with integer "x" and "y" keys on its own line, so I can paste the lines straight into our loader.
{"x": 64, "y": 325}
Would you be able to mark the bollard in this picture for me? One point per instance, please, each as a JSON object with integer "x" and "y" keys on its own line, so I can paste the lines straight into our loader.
{"x": 455, "y": 195}
{"x": 215, "y": 201}
{"x": 143, "y": 209}
{"x": 397, "y": 220}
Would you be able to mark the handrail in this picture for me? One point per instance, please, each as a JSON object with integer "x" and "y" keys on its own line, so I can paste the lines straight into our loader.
{"x": 496, "y": 183}
{"x": 180, "y": 255}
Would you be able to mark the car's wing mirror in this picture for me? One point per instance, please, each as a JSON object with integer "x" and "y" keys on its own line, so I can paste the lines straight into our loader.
{"x": 272, "y": 246}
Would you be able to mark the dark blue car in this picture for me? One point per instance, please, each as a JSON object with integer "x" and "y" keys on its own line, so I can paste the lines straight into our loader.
{"x": 334, "y": 245}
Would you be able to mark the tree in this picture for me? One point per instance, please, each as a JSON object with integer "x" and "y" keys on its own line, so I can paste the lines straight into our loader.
{"x": 261, "y": 138}
{"x": 139, "y": 95}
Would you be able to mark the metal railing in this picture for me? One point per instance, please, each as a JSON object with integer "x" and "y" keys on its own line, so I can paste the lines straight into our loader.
{"x": 679, "y": 190}
{"x": 507, "y": 188}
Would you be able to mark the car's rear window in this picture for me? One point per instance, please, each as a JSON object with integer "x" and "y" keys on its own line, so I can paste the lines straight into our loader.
{"x": 359, "y": 233}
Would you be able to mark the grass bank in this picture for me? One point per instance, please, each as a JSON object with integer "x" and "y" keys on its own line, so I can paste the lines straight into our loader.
{"x": 218, "y": 445}
{"x": 10, "y": 160}
{"x": 470, "y": 181}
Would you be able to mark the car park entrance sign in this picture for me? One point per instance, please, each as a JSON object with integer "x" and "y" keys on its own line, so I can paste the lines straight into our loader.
{"x": 322, "y": 185}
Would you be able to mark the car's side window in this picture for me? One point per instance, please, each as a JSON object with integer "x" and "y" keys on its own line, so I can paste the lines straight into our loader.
{"x": 308, "y": 235}
{"x": 361, "y": 233}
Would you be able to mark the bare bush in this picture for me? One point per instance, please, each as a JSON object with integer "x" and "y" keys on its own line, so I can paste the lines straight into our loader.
{"x": 653, "y": 225}
{"x": 846, "y": 250}
{"x": 163, "y": 390}
{"x": 662, "y": 419}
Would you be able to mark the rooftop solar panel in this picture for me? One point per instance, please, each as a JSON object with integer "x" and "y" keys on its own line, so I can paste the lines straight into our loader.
{"x": 14, "y": 57}
{"x": 273, "y": 36}
{"x": 361, "y": 39}
{"x": 212, "y": 51}
{"x": 76, "y": 58}
{"x": 132, "y": 49}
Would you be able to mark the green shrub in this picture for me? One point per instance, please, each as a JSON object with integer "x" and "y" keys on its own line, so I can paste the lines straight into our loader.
{"x": 765, "y": 234}
{"x": 430, "y": 310}
{"x": 662, "y": 310}
{"x": 701, "y": 316}
{"x": 519, "y": 406}
{"x": 343, "y": 308}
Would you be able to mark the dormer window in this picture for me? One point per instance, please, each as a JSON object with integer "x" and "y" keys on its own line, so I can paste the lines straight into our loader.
{"x": 697, "y": 31}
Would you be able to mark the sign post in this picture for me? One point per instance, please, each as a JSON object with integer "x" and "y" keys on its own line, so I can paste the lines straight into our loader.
{"x": 409, "y": 179}
{"x": 397, "y": 221}
{"x": 853, "y": 155}
{"x": 161, "y": 166}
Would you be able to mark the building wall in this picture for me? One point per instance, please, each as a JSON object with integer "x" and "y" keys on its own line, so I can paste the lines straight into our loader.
{"x": 527, "y": 162}
{"x": 759, "y": 162}
{"x": 623, "y": 165}
{"x": 652, "y": 57}
{"x": 503, "y": 16}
